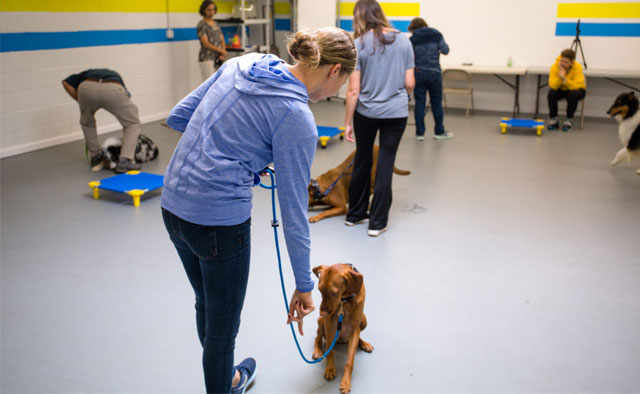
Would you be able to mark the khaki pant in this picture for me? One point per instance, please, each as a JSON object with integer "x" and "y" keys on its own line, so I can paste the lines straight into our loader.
{"x": 113, "y": 98}
{"x": 207, "y": 68}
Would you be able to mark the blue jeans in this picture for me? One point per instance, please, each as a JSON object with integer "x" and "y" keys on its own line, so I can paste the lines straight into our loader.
{"x": 216, "y": 260}
{"x": 428, "y": 81}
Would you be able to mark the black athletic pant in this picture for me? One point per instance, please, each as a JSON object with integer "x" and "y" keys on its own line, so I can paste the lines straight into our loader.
{"x": 365, "y": 130}
{"x": 572, "y": 96}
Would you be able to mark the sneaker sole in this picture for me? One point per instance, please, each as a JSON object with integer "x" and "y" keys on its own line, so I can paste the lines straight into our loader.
{"x": 350, "y": 224}
{"x": 250, "y": 380}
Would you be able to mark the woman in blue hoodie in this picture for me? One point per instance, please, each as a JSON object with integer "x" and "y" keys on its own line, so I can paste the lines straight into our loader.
{"x": 254, "y": 111}
{"x": 428, "y": 43}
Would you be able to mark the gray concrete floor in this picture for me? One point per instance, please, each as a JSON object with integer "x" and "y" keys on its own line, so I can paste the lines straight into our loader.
{"x": 511, "y": 264}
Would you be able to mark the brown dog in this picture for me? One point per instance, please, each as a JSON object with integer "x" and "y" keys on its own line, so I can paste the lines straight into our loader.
{"x": 342, "y": 288}
{"x": 338, "y": 197}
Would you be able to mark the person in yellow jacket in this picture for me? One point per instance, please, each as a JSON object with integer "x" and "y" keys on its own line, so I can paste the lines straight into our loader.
{"x": 566, "y": 81}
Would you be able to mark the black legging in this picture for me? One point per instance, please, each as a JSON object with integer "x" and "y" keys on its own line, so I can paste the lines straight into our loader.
{"x": 572, "y": 96}
{"x": 365, "y": 130}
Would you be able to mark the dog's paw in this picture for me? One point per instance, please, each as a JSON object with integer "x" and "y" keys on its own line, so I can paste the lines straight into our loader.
{"x": 367, "y": 347}
{"x": 614, "y": 162}
{"x": 345, "y": 387}
{"x": 316, "y": 354}
{"x": 313, "y": 219}
{"x": 330, "y": 373}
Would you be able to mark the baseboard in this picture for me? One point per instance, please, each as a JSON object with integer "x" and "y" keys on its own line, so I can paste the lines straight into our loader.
{"x": 70, "y": 137}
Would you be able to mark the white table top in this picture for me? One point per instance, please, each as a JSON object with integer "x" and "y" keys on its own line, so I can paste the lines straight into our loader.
{"x": 595, "y": 72}
{"x": 484, "y": 69}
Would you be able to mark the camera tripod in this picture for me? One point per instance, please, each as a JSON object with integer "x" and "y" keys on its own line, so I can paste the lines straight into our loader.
{"x": 578, "y": 44}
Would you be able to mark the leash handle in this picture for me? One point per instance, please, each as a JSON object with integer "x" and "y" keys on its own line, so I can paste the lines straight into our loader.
{"x": 274, "y": 224}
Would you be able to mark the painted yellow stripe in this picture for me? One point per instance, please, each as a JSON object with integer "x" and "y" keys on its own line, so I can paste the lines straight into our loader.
{"x": 390, "y": 9}
{"x": 182, "y": 6}
{"x": 599, "y": 10}
{"x": 282, "y": 7}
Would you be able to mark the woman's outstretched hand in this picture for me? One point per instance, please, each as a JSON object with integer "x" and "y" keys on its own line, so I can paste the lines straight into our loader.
{"x": 301, "y": 305}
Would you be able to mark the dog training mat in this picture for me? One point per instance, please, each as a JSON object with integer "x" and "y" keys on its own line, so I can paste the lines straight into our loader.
{"x": 133, "y": 183}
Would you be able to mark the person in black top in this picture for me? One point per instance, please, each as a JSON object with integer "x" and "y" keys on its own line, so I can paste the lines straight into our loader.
{"x": 102, "y": 88}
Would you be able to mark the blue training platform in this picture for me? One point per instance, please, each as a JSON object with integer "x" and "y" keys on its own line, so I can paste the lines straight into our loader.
{"x": 325, "y": 133}
{"x": 133, "y": 183}
{"x": 537, "y": 124}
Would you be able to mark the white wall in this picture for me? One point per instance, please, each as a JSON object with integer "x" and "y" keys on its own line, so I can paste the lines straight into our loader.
{"x": 489, "y": 32}
{"x": 36, "y": 112}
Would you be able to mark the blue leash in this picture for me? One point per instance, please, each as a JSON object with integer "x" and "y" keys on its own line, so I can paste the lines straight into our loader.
{"x": 275, "y": 224}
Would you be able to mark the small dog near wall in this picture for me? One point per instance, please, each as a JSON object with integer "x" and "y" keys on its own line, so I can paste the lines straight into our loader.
{"x": 332, "y": 187}
{"x": 146, "y": 150}
{"x": 342, "y": 288}
{"x": 625, "y": 110}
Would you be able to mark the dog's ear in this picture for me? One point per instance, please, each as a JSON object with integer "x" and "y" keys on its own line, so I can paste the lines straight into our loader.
{"x": 354, "y": 279}
{"x": 318, "y": 270}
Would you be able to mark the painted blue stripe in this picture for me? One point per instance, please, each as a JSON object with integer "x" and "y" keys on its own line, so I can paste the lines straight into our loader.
{"x": 283, "y": 24}
{"x": 599, "y": 29}
{"x": 15, "y": 42}
{"x": 403, "y": 26}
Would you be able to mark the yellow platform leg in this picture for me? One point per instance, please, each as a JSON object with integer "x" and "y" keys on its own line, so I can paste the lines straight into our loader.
{"x": 136, "y": 193}
{"x": 96, "y": 192}
{"x": 503, "y": 128}
{"x": 539, "y": 130}
{"x": 323, "y": 141}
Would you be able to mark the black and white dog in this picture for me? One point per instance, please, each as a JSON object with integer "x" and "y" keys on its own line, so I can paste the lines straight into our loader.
{"x": 146, "y": 150}
{"x": 625, "y": 110}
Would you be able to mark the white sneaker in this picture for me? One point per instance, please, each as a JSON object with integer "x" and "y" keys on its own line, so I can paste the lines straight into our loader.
{"x": 420, "y": 137}
{"x": 348, "y": 223}
{"x": 375, "y": 233}
{"x": 446, "y": 136}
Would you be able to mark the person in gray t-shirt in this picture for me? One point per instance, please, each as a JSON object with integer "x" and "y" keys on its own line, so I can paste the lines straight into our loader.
{"x": 212, "y": 45}
{"x": 377, "y": 99}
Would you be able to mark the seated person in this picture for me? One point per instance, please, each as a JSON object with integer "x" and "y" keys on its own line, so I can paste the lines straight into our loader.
{"x": 566, "y": 81}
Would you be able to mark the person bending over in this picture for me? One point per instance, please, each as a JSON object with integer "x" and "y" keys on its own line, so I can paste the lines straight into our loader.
{"x": 94, "y": 89}
{"x": 566, "y": 81}
{"x": 252, "y": 112}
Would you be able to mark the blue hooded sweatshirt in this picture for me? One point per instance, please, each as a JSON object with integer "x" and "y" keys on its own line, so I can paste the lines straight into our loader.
{"x": 249, "y": 114}
{"x": 428, "y": 43}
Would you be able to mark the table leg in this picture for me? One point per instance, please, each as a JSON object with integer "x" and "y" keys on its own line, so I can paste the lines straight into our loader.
{"x": 535, "y": 116}
{"x": 516, "y": 104}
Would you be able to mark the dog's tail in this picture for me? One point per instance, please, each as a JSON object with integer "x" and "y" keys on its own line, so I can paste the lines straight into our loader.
{"x": 400, "y": 172}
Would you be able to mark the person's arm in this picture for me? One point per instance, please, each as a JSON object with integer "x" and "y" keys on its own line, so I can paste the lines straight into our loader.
{"x": 442, "y": 45}
{"x": 575, "y": 78}
{"x": 409, "y": 80}
{"x": 71, "y": 90}
{"x": 555, "y": 82}
{"x": 353, "y": 92}
{"x": 205, "y": 43}
{"x": 409, "y": 76}
{"x": 223, "y": 56}
{"x": 294, "y": 145}
{"x": 181, "y": 114}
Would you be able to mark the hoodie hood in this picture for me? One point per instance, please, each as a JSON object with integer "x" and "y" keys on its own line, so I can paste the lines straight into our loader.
{"x": 425, "y": 34}
{"x": 267, "y": 75}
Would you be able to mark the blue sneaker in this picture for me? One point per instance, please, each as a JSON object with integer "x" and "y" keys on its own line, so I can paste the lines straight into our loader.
{"x": 247, "y": 369}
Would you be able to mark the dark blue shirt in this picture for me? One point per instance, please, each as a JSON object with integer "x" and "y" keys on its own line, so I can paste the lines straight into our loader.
{"x": 98, "y": 73}
{"x": 428, "y": 43}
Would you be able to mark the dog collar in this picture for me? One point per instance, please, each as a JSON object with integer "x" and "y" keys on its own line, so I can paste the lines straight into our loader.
{"x": 317, "y": 194}
{"x": 348, "y": 298}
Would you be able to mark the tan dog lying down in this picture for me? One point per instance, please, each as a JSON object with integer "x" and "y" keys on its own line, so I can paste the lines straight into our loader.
{"x": 338, "y": 197}
{"x": 342, "y": 288}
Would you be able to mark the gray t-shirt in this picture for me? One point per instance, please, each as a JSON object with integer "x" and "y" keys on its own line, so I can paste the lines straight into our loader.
{"x": 382, "y": 92}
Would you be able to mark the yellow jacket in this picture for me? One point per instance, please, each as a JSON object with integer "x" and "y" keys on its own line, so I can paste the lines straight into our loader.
{"x": 575, "y": 77}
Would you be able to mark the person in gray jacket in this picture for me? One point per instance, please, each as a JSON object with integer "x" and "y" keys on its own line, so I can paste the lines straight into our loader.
{"x": 428, "y": 43}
